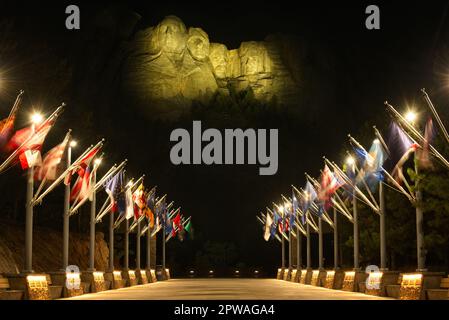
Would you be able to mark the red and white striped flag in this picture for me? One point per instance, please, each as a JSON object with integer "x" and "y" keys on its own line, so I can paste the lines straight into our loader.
{"x": 80, "y": 166}
{"x": 50, "y": 165}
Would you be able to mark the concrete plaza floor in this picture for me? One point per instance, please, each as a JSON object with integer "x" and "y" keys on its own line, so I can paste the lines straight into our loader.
{"x": 225, "y": 289}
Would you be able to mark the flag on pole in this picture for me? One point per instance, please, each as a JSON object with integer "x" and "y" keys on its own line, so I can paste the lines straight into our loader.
{"x": 83, "y": 187}
{"x": 7, "y": 124}
{"x": 268, "y": 224}
{"x": 50, "y": 165}
{"x": 80, "y": 165}
{"x": 423, "y": 155}
{"x": 129, "y": 211}
{"x": 113, "y": 187}
{"x": 139, "y": 201}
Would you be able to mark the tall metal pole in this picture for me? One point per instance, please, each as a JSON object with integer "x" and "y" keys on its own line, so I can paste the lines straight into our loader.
{"x": 298, "y": 249}
{"x": 336, "y": 262}
{"x": 356, "y": 232}
{"x": 320, "y": 243}
{"x": 29, "y": 218}
{"x": 419, "y": 223}
{"x": 93, "y": 212}
{"x": 289, "y": 247}
{"x": 111, "y": 241}
{"x": 283, "y": 252}
{"x": 163, "y": 251}
{"x": 126, "y": 243}
{"x": 29, "y": 222}
{"x": 383, "y": 236}
{"x": 309, "y": 256}
{"x": 149, "y": 247}
{"x": 66, "y": 218}
{"x": 138, "y": 246}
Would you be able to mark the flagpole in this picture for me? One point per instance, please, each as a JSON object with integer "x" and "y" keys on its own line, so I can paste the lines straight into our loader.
{"x": 298, "y": 248}
{"x": 163, "y": 251}
{"x": 126, "y": 244}
{"x": 92, "y": 224}
{"x": 421, "y": 256}
{"x": 148, "y": 247}
{"x": 111, "y": 241}
{"x": 66, "y": 216}
{"x": 289, "y": 246}
{"x": 29, "y": 215}
{"x": 383, "y": 241}
{"x": 355, "y": 231}
{"x": 309, "y": 257}
{"x": 29, "y": 221}
{"x": 335, "y": 239}
{"x": 138, "y": 246}
{"x": 320, "y": 243}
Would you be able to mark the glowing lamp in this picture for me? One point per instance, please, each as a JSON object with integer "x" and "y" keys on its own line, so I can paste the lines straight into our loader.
{"x": 36, "y": 118}
{"x": 410, "y": 116}
{"x": 350, "y": 161}
{"x": 73, "y": 143}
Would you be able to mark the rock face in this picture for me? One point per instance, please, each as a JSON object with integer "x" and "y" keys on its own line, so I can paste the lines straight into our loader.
{"x": 171, "y": 65}
{"x": 47, "y": 249}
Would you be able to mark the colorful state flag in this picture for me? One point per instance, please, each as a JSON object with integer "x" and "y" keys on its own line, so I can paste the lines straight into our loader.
{"x": 6, "y": 129}
{"x": 129, "y": 212}
{"x": 80, "y": 165}
{"x": 400, "y": 147}
{"x": 114, "y": 187}
{"x": 268, "y": 224}
{"x": 49, "y": 169}
{"x": 423, "y": 155}
{"x": 310, "y": 195}
{"x": 83, "y": 187}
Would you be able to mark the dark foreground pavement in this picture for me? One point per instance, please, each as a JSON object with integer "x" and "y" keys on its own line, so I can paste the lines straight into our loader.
{"x": 225, "y": 289}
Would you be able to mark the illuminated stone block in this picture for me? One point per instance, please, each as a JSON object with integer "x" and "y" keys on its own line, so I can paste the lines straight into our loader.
{"x": 286, "y": 274}
{"x": 37, "y": 287}
{"x": 329, "y": 280}
{"x": 348, "y": 281}
{"x": 314, "y": 281}
{"x": 118, "y": 280}
{"x": 73, "y": 285}
{"x": 153, "y": 275}
{"x": 167, "y": 274}
{"x": 141, "y": 277}
{"x": 279, "y": 274}
{"x": 303, "y": 275}
{"x": 294, "y": 274}
{"x": 132, "y": 279}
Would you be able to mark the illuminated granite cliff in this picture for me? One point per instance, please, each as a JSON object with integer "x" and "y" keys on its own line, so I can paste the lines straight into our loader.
{"x": 171, "y": 65}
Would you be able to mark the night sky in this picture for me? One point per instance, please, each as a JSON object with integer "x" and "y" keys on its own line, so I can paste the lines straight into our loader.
{"x": 367, "y": 67}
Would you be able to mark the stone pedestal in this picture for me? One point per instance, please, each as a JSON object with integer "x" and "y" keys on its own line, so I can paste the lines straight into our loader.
{"x": 315, "y": 278}
{"x": 96, "y": 280}
{"x": 141, "y": 276}
{"x": 70, "y": 282}
{"x": 34, "y": 286}
{"x": 294, "y": 275}
{"x": 287, "y": 274}
{"x": 377, "y": 282}
{"x": 130, "y": 278}
{"x": 352, "y": 280}
{"x": 279, "y": 275}
{"x": 167, "y": 274}
{"x": 414, "y": 285}
{"x": 308, "y": 276}
{"x": 322, "y": 278}
{"x": 302, "y": 276}
{"x": 339, "y": 276}
{"x": 115, "y": 279}
{"x": 151, "y": 275}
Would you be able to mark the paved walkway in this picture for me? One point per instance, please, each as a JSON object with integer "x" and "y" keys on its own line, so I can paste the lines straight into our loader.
{"x": 225, "y": 289}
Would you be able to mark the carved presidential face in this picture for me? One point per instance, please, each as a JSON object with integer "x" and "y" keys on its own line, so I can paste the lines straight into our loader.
{"x": 198, "y": 44}
{"x": 252, "y": 58}
{"x": 219, "y": 58}
{"x": 172, "y": 35}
